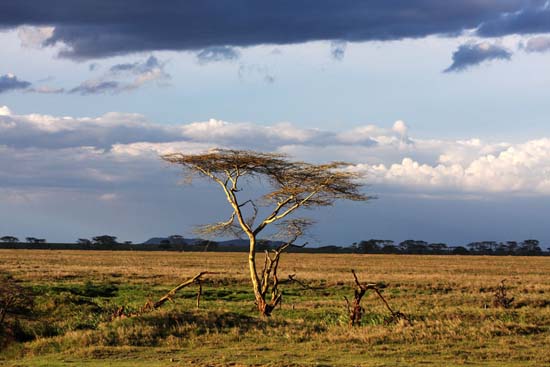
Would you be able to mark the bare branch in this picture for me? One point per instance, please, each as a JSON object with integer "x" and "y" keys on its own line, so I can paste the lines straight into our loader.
{"x": 149, "y": 306}
{"x": 356, "y": 311}
{"x": 220, "y": 228}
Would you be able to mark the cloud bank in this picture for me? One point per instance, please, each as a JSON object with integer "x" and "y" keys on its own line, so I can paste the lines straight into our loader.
{"x": 99, "y": 29}
{"x": 121, "y": 150}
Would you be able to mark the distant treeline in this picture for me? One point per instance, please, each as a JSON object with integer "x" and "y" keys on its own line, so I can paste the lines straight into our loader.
{"x": 529, "y": 247}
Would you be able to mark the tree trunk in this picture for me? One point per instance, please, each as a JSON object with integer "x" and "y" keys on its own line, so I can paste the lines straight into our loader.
{"x": 263, "y": 307}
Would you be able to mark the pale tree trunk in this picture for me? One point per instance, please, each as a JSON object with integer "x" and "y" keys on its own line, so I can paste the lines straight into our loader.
{"x": 256, "y": 285}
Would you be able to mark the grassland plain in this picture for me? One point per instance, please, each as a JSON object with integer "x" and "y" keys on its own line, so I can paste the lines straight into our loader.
{"x": 448, "y": 298}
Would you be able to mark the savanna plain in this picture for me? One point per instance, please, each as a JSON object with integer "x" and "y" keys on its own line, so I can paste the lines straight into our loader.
{"x": 448, "y": 300}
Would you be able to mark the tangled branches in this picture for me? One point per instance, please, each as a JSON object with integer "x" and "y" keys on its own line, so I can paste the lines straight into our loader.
{"x": 355, "y": 310}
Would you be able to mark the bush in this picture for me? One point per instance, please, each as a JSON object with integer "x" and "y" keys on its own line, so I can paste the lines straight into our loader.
{"x": 15, "y": 302}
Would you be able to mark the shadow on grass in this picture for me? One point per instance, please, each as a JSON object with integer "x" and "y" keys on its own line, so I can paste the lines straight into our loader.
{"x": 164, "y": 327}
{"x": 207, "y": 321}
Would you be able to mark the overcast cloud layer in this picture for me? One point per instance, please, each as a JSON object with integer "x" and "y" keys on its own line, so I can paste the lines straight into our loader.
{"x": 123, "y": 149}
{"x": 467, "y": 75}
{"x": 99, "y": 28}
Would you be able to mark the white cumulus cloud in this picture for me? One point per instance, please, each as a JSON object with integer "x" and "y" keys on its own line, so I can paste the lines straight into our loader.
{"x": 123, "y": 149}
{"x": 34, "y": 37}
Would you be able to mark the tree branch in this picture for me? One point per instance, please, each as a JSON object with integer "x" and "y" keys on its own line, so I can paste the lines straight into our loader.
{"x": 170, "y": 295}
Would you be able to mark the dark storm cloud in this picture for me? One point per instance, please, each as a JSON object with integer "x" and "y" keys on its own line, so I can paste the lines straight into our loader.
{"x": 531, "y": 19}
{"x": 472, "y": 54}
{"x": 10, "y": 82}
{"x": 100, "y": 28}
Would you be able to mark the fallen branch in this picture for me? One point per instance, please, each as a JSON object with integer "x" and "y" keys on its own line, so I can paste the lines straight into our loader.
{"x": 170, "y": 295}
{"x": 150, "y": 305}
{"x": 292, "y": 279}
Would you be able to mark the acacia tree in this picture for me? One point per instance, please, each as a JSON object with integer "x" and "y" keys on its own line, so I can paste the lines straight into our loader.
{"x": 292, "y": 185}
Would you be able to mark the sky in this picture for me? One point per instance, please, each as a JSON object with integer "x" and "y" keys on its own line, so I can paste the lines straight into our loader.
{"x": 443, "y": 108}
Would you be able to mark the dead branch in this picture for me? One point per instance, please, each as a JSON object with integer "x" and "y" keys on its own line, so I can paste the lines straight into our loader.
{"x": 150, "y": 305}
{"x": 355, "y": 310}
{"x": 119, "y": 312}
{"x": 292, "y": 279}
{"x": 170, "y": 295}
{"x": 501, "y": 298}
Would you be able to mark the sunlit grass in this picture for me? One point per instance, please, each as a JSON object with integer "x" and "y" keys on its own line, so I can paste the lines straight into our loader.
{"x": 448, "y": 298}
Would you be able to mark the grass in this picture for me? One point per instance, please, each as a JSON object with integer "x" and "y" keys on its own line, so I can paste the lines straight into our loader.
{"x": 448, "y": 298}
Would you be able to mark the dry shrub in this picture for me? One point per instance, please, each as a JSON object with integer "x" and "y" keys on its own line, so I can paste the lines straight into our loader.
{"x": 16, "y": 302}
{"x": 501, "y": 298}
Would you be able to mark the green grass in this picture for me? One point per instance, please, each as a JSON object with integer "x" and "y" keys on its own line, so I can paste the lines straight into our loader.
{"x": 448, "y": 299}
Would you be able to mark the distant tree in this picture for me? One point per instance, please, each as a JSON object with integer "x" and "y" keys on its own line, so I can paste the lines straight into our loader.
{"x": 176, "y": 239}
{"x": 9, "y": 239}
{"x": 390, "y": 248}
{"x": 165, "y": 245}
{"x": 506, "y": 248}
{"x": 331, "y": 249}
{"x": 501, "y": 248}
{"x": 105, "y": 240}
{"x": 438, "y": 248}
{"x": 483, "y": 247}
{"x": 475, "y": 247}
{"x": 372, "y": 246}
{"x": 512, "y": 247}
{"x": 206, "y": 244}
{"x": 413, "y": 247}
{"x": 263, "y": 245}
{"x": 127, "y": 242}
{"x": 84, "y": 242}
{"x": 530, "y": 247}
{"x": 210, "y": 245}
{"x": 35, "y": 240}
{"x": 460, "y": 250}
{"x": 293, "y": 185}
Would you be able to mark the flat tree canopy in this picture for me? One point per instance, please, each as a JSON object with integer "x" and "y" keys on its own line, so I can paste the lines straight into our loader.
{"x": 293, "y": 185}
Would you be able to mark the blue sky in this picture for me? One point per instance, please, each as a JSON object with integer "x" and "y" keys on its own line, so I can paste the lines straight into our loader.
{"x": 445, "y": 112}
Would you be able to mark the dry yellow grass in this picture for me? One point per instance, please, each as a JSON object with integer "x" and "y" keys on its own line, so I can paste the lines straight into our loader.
{"x": 449, "y": 299}
{"x": 466, "y": 271}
